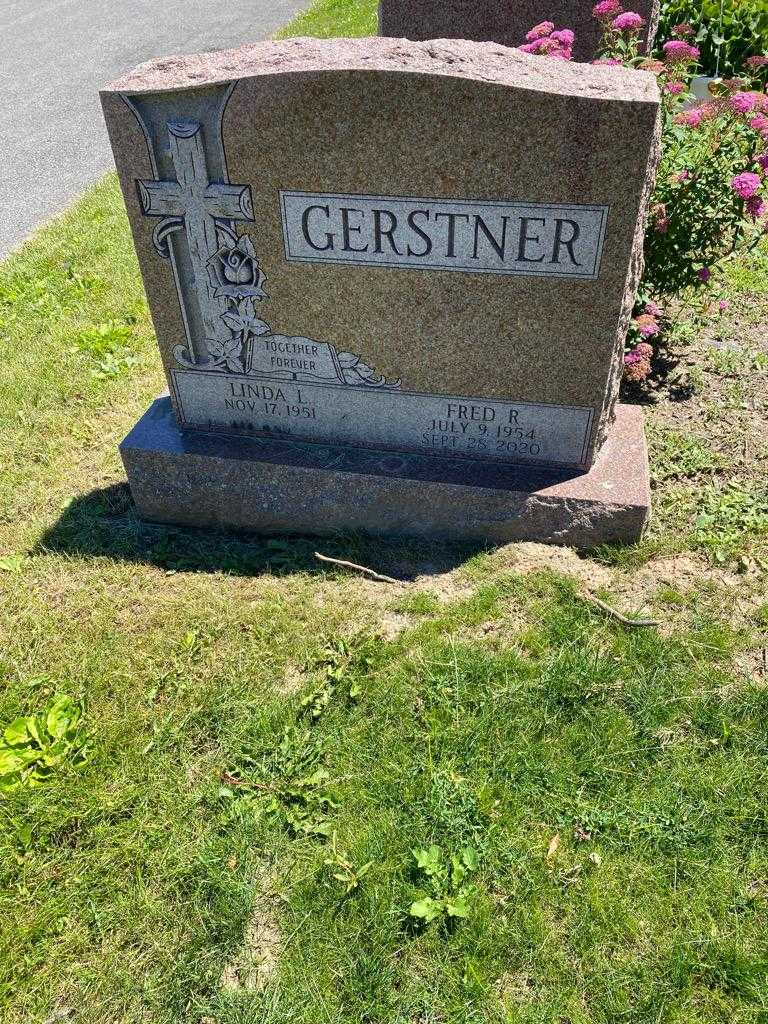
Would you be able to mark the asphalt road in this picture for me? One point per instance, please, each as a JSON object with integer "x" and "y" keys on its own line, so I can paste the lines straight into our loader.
{"x": 54, "y": 57}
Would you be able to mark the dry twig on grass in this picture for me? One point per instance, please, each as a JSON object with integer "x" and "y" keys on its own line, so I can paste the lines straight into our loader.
{"x": 380, "y": 577}
{"x": 231, "y": 780}
{"x": 617, "y": 615}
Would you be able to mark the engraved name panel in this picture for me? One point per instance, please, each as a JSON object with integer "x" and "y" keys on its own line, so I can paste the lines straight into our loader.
{"x": 484, "y": 237}
{"x": 471, "y": 428}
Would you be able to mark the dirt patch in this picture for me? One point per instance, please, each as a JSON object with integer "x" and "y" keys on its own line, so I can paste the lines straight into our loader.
{"x": 292, "y": 681}
{"x": 392, "y": 624}
{"x": 516, "y": 987}
{"x": 754, "y": 665}
{"x": 530, "y": 557}
{"x": 257, "y": 960}
{"x": 447, "y": 587}
{"x": 680, "y": 573}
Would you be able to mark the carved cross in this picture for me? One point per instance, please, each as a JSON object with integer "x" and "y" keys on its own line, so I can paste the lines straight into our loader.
{"x": 193, "y": 203}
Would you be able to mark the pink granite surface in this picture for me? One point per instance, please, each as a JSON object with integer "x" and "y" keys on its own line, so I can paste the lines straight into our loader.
{"x": 447, "y": 118}
{"x": 454, "y": 58}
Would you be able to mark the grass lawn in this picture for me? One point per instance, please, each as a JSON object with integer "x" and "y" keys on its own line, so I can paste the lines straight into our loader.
{"x": 227, "y": 834}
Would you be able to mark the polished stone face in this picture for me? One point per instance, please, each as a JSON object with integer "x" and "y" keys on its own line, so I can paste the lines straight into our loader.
{"x": 503, "y": 21}
{"x": 407, "y": 247}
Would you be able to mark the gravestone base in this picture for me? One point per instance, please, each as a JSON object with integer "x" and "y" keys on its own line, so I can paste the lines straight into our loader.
{"x": 272, "y": 486}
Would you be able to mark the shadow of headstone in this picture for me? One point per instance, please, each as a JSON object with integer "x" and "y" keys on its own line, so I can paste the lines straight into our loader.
{"x": 104, "y": 524}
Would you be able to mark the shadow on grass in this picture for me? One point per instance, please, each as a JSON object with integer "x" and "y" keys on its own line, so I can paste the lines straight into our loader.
{"x": 104, "y": 524}
{"x": 660, "y": 382}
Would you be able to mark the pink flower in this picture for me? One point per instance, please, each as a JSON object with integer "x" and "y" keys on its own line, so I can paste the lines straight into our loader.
{"x": 546, "y": 48}
{"x": 637, "y": 363}
{"x": 628, "y": 22}
{"x": 653, "y": 309}
{"x": 692, "y": 118}
{"x": 677, "y": 51}
{"x": 656, "y": 67}
{"x": 647, "y": 326}
{"x": 705, "y": 274}
{"x": 681, "y": 177}
{"x": 539, "y": 46}
{"x": 658, "y": 213}
{"x": 608, "y": 61}
{"x": 734, "y": 84}
{"x": 756, "y": 207}
{"x": 606, "y": 9}
{"x": 757, "y": 61}
{"x": 682, "y": 31}
{"x": 763, "y": 161}
{"x": 723, "y": 304}
{"x": 745, "y": 185}
{"x": 540, "y": 31}
{"x": 557, "y": 45}
{"x": 760, "y": 124}
{"x": 744, "y": 102}
{"x": 565, "y": 37}
{"x": 674, "y": 88}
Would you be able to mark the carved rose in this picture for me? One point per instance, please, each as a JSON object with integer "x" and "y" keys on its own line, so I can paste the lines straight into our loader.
{"x": 234, "y": 271}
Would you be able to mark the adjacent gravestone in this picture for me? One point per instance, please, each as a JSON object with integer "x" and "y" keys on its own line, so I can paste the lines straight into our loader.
{"x": 390, "y": 283}
{"x": 502, "y": 21}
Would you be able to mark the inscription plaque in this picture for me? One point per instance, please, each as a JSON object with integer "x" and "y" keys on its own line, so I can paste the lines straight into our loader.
{"x": 473, "y": 428}
{"x": 558, "y": 240}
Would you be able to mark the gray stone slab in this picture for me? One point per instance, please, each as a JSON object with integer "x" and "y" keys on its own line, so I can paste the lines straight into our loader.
{"x": 274, "y": 486}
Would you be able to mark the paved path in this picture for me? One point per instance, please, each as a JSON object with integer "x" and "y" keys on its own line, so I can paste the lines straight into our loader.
{"x": 54, "y": 56}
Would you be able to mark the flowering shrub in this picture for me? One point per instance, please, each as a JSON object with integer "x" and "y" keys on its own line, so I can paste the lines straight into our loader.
{"x": 621, "y": 32}
{"x": 711, "y": 195}
{"x": 744, "y": 31}
{"x": 546, "y": 41}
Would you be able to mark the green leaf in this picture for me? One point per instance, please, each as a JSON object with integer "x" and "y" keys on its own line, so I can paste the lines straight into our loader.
{"x": 17, "y": 734}
{"x": 427, "y": 909}
{"x": 316, "y": 829}
{"x": 8, "y": 783}
{"x": 430, "y": 861}
{"x": 36, "y": 731}
{"x": 457, "y": 907}
{"x": 14, "y": 760}
{"x": 63, "y": 715}
{"x": 470, "y": 858}
{"x": 24, "y": 835}
{"x": 458, "y": 871}
{"x": 12, "y": 563}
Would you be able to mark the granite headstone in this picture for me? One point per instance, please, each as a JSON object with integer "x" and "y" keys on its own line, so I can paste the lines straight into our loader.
{"x": 502, "y": 21}
{"x": 390, "y": 283}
